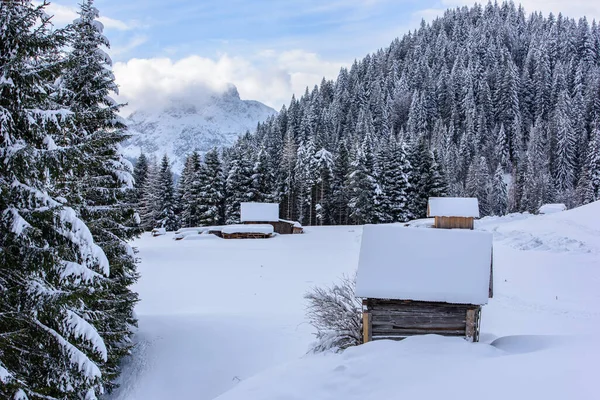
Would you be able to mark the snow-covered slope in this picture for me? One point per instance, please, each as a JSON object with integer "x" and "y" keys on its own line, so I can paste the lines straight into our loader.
{"x": 229, "y": 314}
{"x": 181, "y": 127}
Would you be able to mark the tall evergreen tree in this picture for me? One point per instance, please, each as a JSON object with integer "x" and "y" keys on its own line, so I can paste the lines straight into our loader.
{"x": 588, "y": 189}
{"x": 498, "y": 194}
{"x": 50, "y": 265}
{"x": 140, "y": 176}
{"x": 189, "y": 187}
{"x": 340, "y": 195}
{"x": 105, "y": 182}
{"x": 394, "y": 172}
{"x": 238, "y": 185}
{"x": 324, "y": 165}
{"x": 213, "y": 196}
{"x": 166, "y": 207}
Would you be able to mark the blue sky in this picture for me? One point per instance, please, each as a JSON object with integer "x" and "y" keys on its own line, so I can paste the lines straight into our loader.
{"x": 269, "y": 49}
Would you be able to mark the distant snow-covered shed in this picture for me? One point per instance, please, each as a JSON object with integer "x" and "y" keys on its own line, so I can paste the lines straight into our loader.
{"x": 252, "y": 231}
{"x": 422, "y": 281}
{"x": 453, "y": 212}
{"x": 268, "y": 213}
{"x": 552, "y": 208}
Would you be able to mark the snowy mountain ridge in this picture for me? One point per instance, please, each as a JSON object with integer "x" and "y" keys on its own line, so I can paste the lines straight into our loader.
{"x": 183, "y": 126}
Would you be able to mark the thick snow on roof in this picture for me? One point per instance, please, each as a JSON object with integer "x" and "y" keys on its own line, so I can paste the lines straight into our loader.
{"x": 252, "y": 228}
{"x": 295, "y": 223}
{"x": 441, "y": 265}
{"x": 453, "y": 207}
{"x": 259, "y": 212}
{"x": 552, "y": 208}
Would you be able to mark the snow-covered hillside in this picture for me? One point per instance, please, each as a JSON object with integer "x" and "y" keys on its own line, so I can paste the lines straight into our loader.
{"x": 183, "y": 127}
{"x": 226, "y": 317}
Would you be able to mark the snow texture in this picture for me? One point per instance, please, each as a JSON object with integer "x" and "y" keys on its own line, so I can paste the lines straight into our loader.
{"x": 80, "y": 328}
{"x": 18, "y": 223}
{"x": 78, "y": 273}
{"x": 259, "y": 212}
{"x": 251, "y": 228}
{"x": 453, "y": 207}
{"x": 295, "y": 223}
{"x": 5, "y": 376}
{"x": 434, "y": 367}
{"x": 538, "y": 334}
{"x": 78, "y": 232}
{"x": 86, "y": 366}
{"x": 552, "y": 208}
{"x": 442, "y": 265}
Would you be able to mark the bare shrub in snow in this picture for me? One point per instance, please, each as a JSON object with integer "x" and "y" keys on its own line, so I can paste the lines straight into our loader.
{"x": 336, "y": 313}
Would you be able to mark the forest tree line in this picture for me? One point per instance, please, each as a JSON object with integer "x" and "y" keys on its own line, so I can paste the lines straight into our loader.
{"x": 66, "y": 209}
{"x": 484, "y": 102}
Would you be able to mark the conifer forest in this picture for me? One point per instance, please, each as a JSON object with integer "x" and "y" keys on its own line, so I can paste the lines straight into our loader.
{"x": 483, "y": 102}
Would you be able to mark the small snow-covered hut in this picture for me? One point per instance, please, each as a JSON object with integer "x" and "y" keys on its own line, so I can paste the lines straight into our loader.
{"x": 453, "y": 212}
{"x": 267, "y": 213}
{"x": 254, "y": 231}
{"x": 423, "y": 281}
{"x": 552, "y": 208}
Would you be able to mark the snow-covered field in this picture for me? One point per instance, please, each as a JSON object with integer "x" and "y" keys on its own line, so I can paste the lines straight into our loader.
{"x": 226, "y": 317}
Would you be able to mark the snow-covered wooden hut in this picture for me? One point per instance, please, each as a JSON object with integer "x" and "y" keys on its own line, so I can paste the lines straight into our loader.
{"x": 453, "y": 212}
{"x": 253, "y": 231}
{"x": 267, "y": 213}
{"x": 552, "y": 208}
{"x": 423, "y": 281}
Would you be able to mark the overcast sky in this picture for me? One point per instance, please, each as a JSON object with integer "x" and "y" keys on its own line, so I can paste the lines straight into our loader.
{"x": 269, "y": 49}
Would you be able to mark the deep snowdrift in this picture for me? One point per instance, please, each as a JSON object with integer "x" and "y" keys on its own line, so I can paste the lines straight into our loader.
{"x": 229, "y": 314}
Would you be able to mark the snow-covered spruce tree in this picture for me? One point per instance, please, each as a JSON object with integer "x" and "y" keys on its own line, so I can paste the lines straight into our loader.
{"x": 261, "y": 189}
{"x": 105, "y": 182}
{"x": 498, "y": 194}
{"x": 51, "y": 270}
{"x": 565, "y": 149}
{"x": 340, "y": 197}
{"x": 537, "y": 184}
{"x": 188, "y": 189}
{"x": 478, "y": 184}
{"x": 427, "y": 178}
{"x": 393, "y": 179}
{"x": 212, "y": 197}
{"x": 166, "y": 204}
{"x": 140, "y": 176}
{"x": 588, "y": 188}
{"x": 336, "y": 314}
{"x": 238, "y": 185}
{"x": 147, "y": 205}
{"x": 287, "y": 180}
{"x": 305, "y": 177}
{"x": 323, "y": 207}
{"x": 362, "y": 188}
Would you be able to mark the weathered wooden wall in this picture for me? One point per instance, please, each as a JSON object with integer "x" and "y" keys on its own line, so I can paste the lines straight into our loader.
{"x": 283, "y": 228}
{"x": 397, "y": 319}
{"x": 454, "y": 222}
{"x": 245, "y": 235}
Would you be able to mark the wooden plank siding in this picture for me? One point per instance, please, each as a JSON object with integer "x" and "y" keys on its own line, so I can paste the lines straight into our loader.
{"x": 281, "y": 227}
{"x": 397, "y": 319}
{"x": 246, "y": 235}
{"x": 454, "y": 222}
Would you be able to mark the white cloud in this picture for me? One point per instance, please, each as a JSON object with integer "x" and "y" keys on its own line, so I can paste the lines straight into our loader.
{"x": 134, "y": 42}
{"x": 63, "y": 15}
{"x": 269, "y": 77}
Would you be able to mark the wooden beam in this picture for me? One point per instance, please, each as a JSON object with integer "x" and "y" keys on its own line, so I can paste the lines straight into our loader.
{"x": 471, "y": 332}
{"x": 366, "y": 327}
